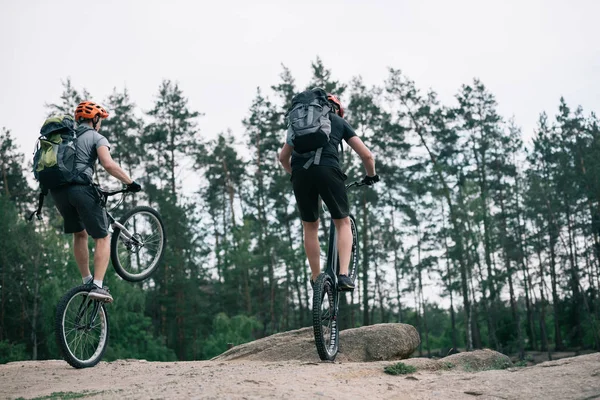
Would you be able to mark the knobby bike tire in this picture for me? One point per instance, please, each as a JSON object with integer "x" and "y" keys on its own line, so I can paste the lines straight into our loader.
{"x": 61, "y": 332}
{"x": 114, "y": 242}
{"x": 353, "y": 266}
{"x": 324, "y": 290}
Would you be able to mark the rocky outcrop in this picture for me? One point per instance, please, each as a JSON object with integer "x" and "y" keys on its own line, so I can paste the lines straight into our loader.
{"x": 472, "y": 361}
{"x": 370, "y": 343}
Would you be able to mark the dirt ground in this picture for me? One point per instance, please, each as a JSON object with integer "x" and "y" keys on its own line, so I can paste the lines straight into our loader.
{"x": 569, "y": 378}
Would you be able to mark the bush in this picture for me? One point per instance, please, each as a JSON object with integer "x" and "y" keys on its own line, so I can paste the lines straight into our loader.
{"x": 12, "y": 352}
{"x": 399, "y": 369}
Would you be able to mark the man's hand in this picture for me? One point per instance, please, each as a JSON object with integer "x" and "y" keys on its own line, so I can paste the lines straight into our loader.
{"x": 134, "y": 187}
{"x": 369, "y": 180}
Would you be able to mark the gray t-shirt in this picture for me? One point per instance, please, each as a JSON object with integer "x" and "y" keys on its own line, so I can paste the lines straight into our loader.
{"x": 88, "y": 142}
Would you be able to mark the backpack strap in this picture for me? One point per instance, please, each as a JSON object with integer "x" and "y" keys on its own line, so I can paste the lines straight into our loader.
{"x": 318, "y": 155}
{"x": 315, "y": 159}
{"x": 38, "y": 212}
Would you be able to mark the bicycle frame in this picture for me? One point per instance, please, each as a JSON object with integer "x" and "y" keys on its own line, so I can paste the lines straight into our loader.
{"x": 113, "y": 222}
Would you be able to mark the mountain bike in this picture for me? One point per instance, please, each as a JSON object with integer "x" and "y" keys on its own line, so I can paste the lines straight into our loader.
{"x": 137, "y": 245}
{"x": 326, "y": 293}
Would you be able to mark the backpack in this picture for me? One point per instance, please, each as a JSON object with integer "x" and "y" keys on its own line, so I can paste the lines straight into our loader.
{"x": 309, "y": 125}
{"x": 56, "y": 153}
{"x": 54, "y": 160}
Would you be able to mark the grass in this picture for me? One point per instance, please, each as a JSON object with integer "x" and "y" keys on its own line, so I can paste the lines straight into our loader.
{"x": 447, "y": 365}
{"x": 63, "y": 396}
{"x": 497, "y": 364}
{"x": 399, "y": 369}
{"x": 522, "y": 363}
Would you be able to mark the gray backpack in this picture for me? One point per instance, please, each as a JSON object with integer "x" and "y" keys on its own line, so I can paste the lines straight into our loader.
{"x": 309, "y": 125}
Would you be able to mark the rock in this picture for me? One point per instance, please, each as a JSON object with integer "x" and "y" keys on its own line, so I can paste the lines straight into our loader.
{"x": 370, "y": 343}
{"x": 478, "y": 360}
{"x": 424, "y": 364}
{"x": 379, "y": 342}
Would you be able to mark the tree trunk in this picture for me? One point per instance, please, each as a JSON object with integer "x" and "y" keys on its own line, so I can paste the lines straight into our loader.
{"x": 558, "y": 343}
{"x": 296, "y": 268}
{"x": 515, "y": 313}
{"x": 574, "y": 270}
{"x": 274, "y": 327}
{"x": 365, "y": 262}
{"x": 543, "y": 333}
{"x": 523, "y": 259}
{"x": 418, "y": 317}
{"x": 396, "y": 268}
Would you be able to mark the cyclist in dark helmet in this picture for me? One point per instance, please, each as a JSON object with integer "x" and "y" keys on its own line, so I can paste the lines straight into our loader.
{"x": 327, "y": 181}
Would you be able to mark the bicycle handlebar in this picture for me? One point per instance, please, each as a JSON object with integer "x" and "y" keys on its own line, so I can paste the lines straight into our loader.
{"x": 113, "y": 193}
{"x": 355, "y": 183}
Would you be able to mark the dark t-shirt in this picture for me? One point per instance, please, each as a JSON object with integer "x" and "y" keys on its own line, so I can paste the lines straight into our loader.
{"x": 340, "y": 129}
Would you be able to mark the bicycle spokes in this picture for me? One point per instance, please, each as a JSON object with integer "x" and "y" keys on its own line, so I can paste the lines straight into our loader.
{"x": 82, "y": 328}
{"x": 140, "y": 243}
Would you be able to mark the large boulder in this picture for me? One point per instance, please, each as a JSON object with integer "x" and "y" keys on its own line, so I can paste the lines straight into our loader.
{"x": 370, "y": 343}
{"x": 379, "y": 342}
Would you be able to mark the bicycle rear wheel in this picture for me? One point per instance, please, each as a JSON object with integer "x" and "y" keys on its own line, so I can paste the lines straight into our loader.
{"x": 353, "y": 266}
{"x": 325, "y": 318}
{"x": 136, "y": 250}
{"x": 81, "y": 327}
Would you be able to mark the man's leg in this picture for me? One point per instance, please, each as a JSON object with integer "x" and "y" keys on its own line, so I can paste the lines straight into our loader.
{"x": 312, "y": 247}
{"x": 101, "y": 256}
{"x": 344, "y": 243}
{"x": 82, "y": 254}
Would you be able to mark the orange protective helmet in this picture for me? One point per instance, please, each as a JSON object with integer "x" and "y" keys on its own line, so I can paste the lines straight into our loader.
{"x": 88, "y": 110}
{"x": 337, "y": 103}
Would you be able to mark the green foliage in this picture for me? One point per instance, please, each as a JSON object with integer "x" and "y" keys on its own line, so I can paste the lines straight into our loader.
{"x": 236, "y": 330}
{"x": 521, "y": 364}
{"x": 12, "y": 352}
{"x": 399, "y": 369}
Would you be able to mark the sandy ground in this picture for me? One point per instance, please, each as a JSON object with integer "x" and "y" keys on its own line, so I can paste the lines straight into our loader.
{"x": 570, "y": 378}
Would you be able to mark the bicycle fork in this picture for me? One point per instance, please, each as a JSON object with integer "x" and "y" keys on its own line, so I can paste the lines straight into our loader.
{"x": 85, "y": 305}
{"x": 124, "y": 233}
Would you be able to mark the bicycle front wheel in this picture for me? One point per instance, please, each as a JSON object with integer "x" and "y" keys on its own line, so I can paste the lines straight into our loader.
{"x": 353, "y": 267}
{"x": 325, "y": 318}
{"x": 81, "y": 327}
{"x": 137, "y": 248}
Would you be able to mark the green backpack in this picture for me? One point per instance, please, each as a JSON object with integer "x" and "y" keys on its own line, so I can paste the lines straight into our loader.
{"x": 56, "y": 152}
{"x": 54, "y": 160}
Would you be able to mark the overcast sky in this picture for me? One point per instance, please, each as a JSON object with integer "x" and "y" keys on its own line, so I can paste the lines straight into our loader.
{"x": 527, "y": 52}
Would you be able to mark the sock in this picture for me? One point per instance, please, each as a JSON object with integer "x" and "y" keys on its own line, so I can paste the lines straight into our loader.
{"x": 98, "y": 283}
{"x": 87, "y": 279}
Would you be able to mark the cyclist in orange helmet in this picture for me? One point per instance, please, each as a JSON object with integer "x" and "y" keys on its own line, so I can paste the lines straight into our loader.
{"x": 326, "y": 180}
{"x": 78, "y": 203}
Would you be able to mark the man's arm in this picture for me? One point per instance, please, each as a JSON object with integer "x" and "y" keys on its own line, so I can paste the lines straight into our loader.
{"x": 364, "y": 153}
{"x": 111, "y": 166}
{"x": 285, "y": 157}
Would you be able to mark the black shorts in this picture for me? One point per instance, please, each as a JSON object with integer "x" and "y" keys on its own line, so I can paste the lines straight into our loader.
{"x": 80, "y": 207}
{"x": 327, "y": 182}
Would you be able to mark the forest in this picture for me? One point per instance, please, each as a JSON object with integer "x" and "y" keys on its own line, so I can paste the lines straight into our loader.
{"x": 475, "y": 236}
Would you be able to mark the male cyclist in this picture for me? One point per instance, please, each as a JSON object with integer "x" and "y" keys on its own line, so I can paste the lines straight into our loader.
{"x": 327, "y": 180}
{"x": 79, "y": 203}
